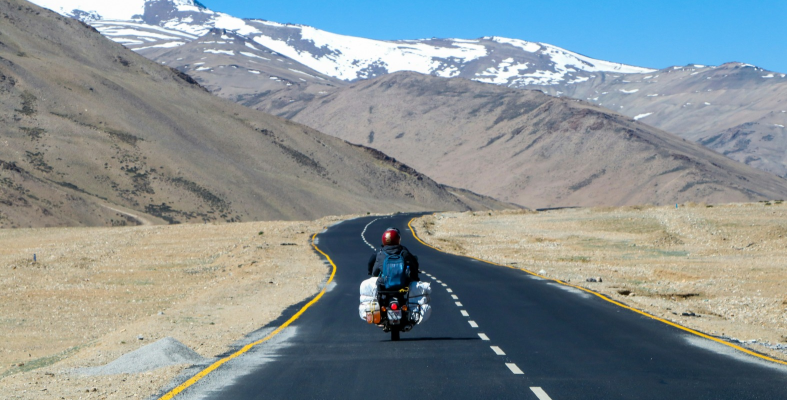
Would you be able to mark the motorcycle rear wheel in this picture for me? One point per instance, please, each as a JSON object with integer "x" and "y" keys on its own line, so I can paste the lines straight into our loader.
{"x": 395, "y": 334}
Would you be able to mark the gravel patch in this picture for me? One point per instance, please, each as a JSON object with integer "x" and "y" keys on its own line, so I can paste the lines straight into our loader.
{"x": 162, "y": 353}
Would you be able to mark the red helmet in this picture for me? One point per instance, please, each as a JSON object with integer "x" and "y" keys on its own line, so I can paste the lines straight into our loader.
{"x": 391, "y": 237}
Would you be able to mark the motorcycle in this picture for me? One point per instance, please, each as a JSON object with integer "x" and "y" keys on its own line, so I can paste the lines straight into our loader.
{"x": 396, "y": 311}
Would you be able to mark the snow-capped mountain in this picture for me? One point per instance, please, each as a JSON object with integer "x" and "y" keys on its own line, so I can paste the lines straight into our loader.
{"x": 149, "y": 26}
{"x": 280, "y": 68}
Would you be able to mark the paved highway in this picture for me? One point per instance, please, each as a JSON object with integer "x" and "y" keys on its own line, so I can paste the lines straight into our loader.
{"x": 495, "y": 332}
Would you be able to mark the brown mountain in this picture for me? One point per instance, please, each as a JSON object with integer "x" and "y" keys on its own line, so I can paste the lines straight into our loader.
{"x": 530, "y": 148}
{"x": 94, "y": 134}
{"x": 737, "y": 109}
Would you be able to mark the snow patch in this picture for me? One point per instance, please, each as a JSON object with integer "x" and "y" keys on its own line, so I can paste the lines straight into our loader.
{"x": 351, "y": 58}
{"x": 230, "y": 23}
{"x": 578, "y": 80}
{"x": 106, "y": 24}
{"x": 529, "y": 47}
{"x": 639, "y": 117}
{"x": 500, "y": 75}
{"x": 629, "y": 91}
{"x": 121, "y": 31}
{"x": 300, "y": 72}
{"x": 253, "y": 55}
{"x": 168, "y": 45}
{"x": 226, "y": 52}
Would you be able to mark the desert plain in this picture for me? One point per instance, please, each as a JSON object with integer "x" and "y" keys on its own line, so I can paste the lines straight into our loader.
{"x": 95, "y": 294}
{"x": 718, "y": 269}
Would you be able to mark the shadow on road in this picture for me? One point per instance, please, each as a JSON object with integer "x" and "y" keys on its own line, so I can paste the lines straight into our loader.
{"x": 431, "y": 338}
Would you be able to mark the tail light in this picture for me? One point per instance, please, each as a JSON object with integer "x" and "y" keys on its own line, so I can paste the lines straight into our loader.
{"x": 394, "y": 306}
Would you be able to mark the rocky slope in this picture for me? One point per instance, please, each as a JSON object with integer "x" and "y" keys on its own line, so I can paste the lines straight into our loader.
{"x": 530, "y": 148}
{"x": 94, "y": 134}
{"x": 736, "y": 109}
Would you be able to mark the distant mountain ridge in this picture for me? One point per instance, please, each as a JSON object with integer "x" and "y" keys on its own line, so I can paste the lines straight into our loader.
{"x": 529, "y": 148}
{"x": 735, "y": 109}
{"x": 154, "y": 24}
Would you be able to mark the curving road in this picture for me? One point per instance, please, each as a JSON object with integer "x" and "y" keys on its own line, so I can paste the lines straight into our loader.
{"x": 495, "y": 333}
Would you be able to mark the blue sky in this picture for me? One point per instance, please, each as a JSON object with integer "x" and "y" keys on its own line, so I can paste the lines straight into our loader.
{"x": 653, "y": 34}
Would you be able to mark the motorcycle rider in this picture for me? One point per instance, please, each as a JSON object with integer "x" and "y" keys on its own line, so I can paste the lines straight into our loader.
{"x": 391, "y": 245}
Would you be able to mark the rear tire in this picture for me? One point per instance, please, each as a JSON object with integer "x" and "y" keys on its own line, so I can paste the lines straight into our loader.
{"x": 395, "y": 334}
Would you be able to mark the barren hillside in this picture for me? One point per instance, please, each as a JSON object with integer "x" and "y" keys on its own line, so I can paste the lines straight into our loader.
{"x": 94, "y": 134}
{"x": 530, "y": 148}
{"x": 736, "y": 109}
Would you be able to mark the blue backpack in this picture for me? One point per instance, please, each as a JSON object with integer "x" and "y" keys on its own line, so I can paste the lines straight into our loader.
{"x": 394, "y": 274}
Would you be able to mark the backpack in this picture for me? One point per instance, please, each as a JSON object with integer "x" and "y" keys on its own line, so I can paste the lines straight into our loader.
{"x": 394, "y": 274}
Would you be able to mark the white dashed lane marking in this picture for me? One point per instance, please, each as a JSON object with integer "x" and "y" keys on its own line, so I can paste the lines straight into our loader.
{"x": 516, "y": 370}
{"x": 540, "y": 393}
{"x": 363, "y": 234}
{"x": 511, "y": 366}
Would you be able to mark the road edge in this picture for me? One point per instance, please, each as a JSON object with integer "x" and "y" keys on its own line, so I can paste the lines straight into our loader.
{"x": 607, "y": 299}
{"x": 196, "y": 378}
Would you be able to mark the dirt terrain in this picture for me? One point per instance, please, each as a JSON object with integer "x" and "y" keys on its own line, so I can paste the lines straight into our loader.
{"x": 94, "y": 292}
{"x": 719, "y": 269}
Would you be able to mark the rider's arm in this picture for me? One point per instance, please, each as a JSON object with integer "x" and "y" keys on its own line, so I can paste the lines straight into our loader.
{"x": 412, "y": 262}
{"x": 372, "y": 259}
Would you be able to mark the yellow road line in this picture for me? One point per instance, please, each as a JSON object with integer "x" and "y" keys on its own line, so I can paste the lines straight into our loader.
{"x": 196, "y": 378}
{"x": 605, "y": 298}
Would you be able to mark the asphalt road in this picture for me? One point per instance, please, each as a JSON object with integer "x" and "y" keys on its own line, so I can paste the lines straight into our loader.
{"x": 566, "y": 344}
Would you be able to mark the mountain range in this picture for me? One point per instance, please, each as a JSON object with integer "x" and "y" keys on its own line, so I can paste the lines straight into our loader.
{"x": 736, "y": 109}
{"x": 355, "y": 89}
{"x": 95, "y": 134}
{"x": 530, "y": 148}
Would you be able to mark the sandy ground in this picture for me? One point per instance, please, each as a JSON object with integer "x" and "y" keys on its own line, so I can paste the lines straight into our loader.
{"x": 721, "y": 269}
{"x": 94, "y": 292}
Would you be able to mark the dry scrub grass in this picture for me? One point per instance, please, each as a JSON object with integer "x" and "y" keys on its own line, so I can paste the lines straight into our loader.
{"x": 93, "y": 291}
{"x": 727, "y": 264}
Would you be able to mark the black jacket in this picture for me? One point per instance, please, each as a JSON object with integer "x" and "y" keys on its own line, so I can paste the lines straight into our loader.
{"x": 376, "y": 261}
